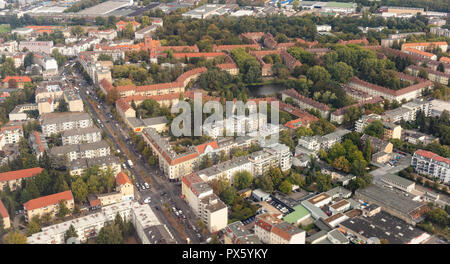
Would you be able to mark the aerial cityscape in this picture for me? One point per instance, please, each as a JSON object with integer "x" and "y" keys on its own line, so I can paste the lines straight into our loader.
{"x": 224, "y": 122}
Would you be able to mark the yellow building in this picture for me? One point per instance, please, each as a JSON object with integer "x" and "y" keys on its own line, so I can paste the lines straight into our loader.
{"x": 48, "y": 204}
{"x": 5, "y": 216}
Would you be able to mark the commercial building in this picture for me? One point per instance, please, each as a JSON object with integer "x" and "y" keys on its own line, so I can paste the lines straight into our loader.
{"x": 53, "y": 123}
{"x": 47, "y": 205}
{"x": 382, "y": 225}
{"x": 300, "y": 214}
{"x": 271, "y": 230}
{"x": 393, "y": 202}
{"x": 398, "y": 182}
{"x": 19, "y": 112}
{"x": 158, "y": 123}
{"x": 81, "y": 136}
{"x": 209, "y": 10}
{"x": 13, "y": 179}
{"x": 426, "y": 162}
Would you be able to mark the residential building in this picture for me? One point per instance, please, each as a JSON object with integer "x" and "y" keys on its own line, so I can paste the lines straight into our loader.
{"x": 415, "y": 137}
{"x": 37, "y": 46}
{"x": 81, "y": 136}
{"x": 271, "y": 230}
{"x": 173, "y": 165}
{"x": 408, "y": 93}
{"x": 315, "y": 143}
{"x": 12, "y": 132}
{"x": 426, "y": 162}
{"x": 433, "y": 75}
{"x": 48, "y": 64}
{"x": 15, "y": 81}
{"x": 408, "y": 111}
{"x": 38, "y": 143}
{"x": 73, "y": 99}
{"x": 422, "y": 46}
{"x": 236, "y": 233}
{"x": 53, "y": 123}
{"x": 226, "y": 169}
{"x": 4, "y": 216}
{"x": 305, "y": 102}
{"x": 205, "y": 204}
{"x": 13, "y": 179}
{"x": 73, "y": 152}
{"x": 79, "y": 166}
{"x": 438, "y": 107}
{"x": 47, "y": 205}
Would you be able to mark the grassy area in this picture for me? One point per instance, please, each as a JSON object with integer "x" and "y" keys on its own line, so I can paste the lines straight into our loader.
{"x": 5, "y": 28}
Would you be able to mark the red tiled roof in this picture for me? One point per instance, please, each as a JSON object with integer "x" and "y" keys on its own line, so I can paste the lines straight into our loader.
{"x": 162, "y": 97}
{"x": 179, "y": 48}
{"x": 354, "y": 41}
{"x": 3, "y": 212}
{"x": 48, "y": 200}
{"x": 201, "y": 148}
{"x": 424, "y": 44}
{"x": 19, "y": 79}
{"x": 191, "y": 179}
{"x": 445, "y": 59}
{"x": 198, "y": 54}
{"x": 122, "y": 179}
{"x": 430, "y": 155}
{"x": 382, "y": 89}
{"x": 38, "y": 141}
{"x": 422, "y": 53}
{"x": 123, "y": 105}
{"x": 19, "y": 174}
{"x": 293, "y": 93}
{"x": 231, "y": 47}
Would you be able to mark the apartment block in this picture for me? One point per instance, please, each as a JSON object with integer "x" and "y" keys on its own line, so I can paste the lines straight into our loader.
{"x": 81, "y": 136}
{"x": 205, "y": 204}
{"x": 426, "y": 162}
{"x": 408, "y": 111}
{"x": 13, "y": 179}
{"x": 79, "y": 166}
{"x": 53, "y": 123}
{"x": 226, "y": 169}
{"x": 12, "y": 132}
{"x": 72, "y": 152}
{"x": 4, "y": 216}
{"x": 271, "y": 230}
{"x": 48, "y": 205}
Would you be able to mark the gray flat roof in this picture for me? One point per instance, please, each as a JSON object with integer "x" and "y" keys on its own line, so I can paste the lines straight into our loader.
{"x": 389, "y": 198}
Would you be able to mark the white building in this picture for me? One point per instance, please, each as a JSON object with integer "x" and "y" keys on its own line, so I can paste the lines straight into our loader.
{"x": 53, "y": 123}
{"x": 408, "y": 111}
{"x": 426, "y": 162}
{"x": 12, "y": 132}
{"x": 226, "y": 169}
{"x": 81, "y": 136}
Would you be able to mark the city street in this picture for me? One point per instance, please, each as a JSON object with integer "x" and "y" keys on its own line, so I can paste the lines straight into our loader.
{"x": 161, "y": 191}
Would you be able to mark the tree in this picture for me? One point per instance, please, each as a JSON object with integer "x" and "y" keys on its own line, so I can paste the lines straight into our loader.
{"x": 34, "y": 226}
{"x": 276, "y": 176}
{"x": 243, "y": 180}
{"x": 71, "y": 232}
{"x": 323, "y": 182}
{"x": 63, "y": 106}
{"x": 437, "y": 216}
{"x": 318, "y": 73}
{"x": 112, "y": 96}
{"x": 228, "y": 195}
{"x": 441, "y": 67}
{"x": 285, "y": 187}
{"x": 110, "y": 234}
{"x": 14, "y": 237}
{"x": 423, "y": 73}
{"x": 357, "y": 183}
{"x": 358, "y": 167}
{"x": 63, "y": 210}
{"x": 342, "y": 72}
{"x": 80, "y": 190}
{"x": 375, "y": 129}
{"x": 342, "y": 164}
{"x": 265, "y": 183}
{"x": 206, "y": 162}
{"x": 77, "y": 31}
{"x": 367, "y": 151}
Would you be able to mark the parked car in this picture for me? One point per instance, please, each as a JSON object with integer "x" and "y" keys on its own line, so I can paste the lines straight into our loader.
{"x": 146, "y": 185}
{"x": 147, "y": 200}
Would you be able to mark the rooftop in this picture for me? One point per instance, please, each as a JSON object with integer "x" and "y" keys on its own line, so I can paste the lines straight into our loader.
{"x": 48, "y": 200}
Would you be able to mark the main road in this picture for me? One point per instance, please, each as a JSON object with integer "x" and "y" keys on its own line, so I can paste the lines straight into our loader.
{"x": 162, "y": 191}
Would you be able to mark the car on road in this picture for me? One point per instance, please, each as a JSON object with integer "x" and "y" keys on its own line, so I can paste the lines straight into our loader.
{"x": 146, "y": 185}
{"x": 142, "y": 186}
{"x": 147, "y": 200}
